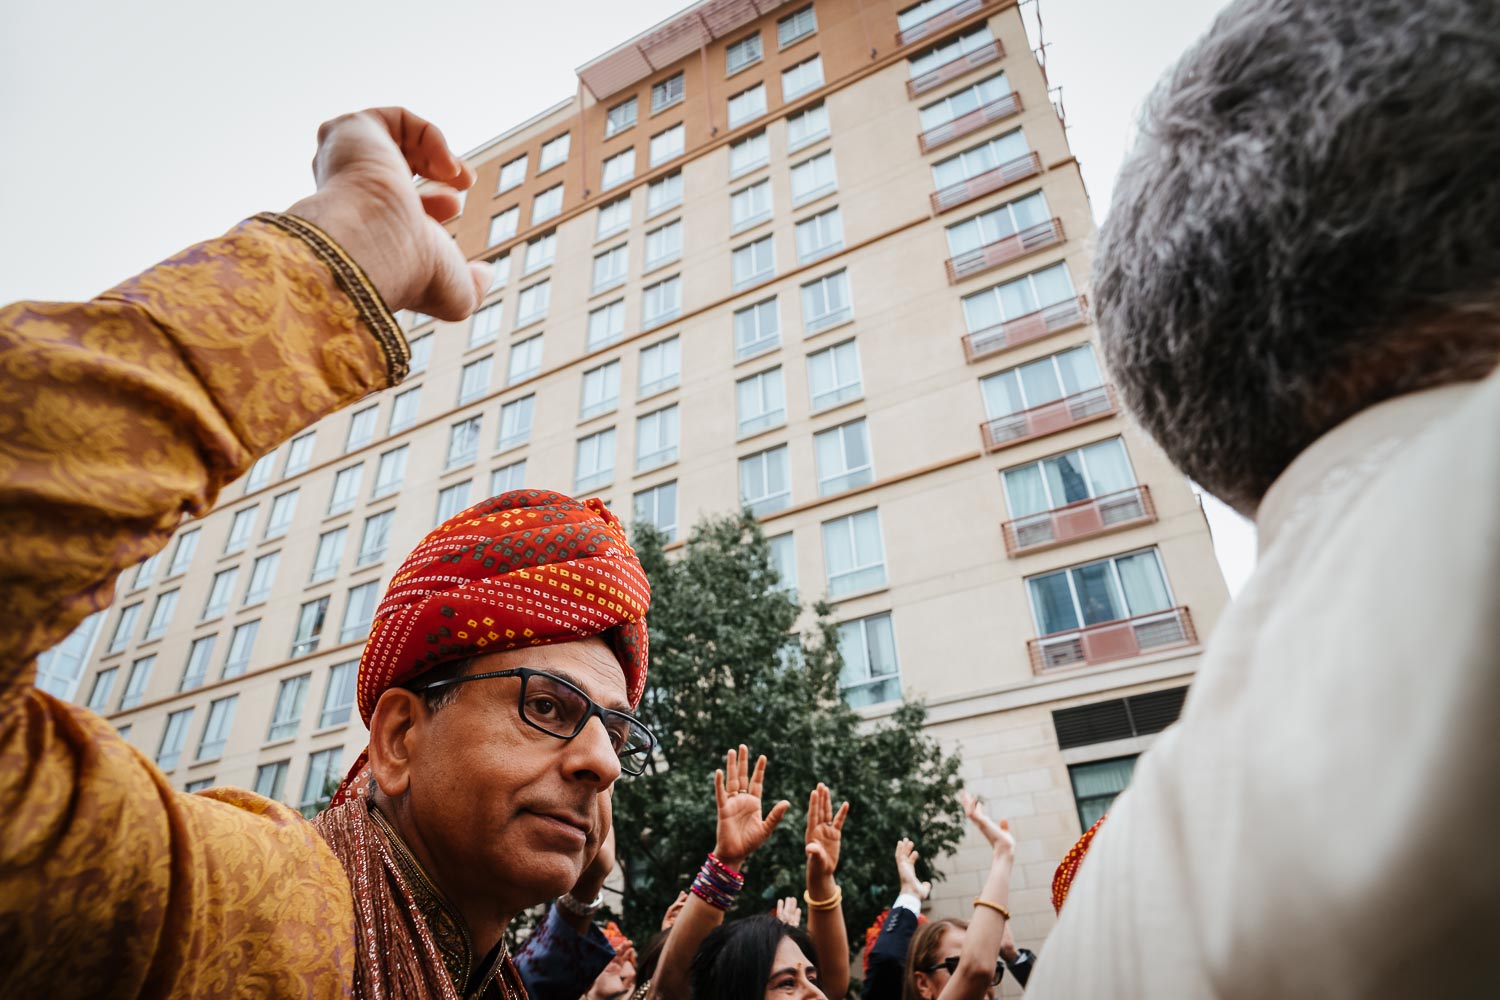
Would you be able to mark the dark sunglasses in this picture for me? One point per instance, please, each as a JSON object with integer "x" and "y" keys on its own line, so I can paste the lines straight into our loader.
{"x": 951, "y": 965}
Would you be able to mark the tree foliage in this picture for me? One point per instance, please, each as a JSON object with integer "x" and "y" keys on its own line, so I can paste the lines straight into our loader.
{"x": 727, "y": 669}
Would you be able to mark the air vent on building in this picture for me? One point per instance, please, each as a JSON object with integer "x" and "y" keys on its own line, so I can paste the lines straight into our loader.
{"x": 1122, "y": 718}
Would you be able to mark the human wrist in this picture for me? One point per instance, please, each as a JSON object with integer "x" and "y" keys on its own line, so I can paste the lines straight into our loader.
{"x": 821, "y": 885}
{"x": 731, "y": 860}
{"x": 908, "y": 900}
{"x": 379, "y": 246}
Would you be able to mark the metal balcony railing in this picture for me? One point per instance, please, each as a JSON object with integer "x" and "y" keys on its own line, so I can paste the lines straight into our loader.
{"x": 1059, "y": 316}
{"x": 966, "y": 63}
{"x": 938, "y": 22}
{"x": 1049, "y": 418}
{"x": 1083, "y": 519}
{"x": 981, "y": 184}
{"x": 992, "y": 255}
{"x": 986, "y": 114}
{"x": 1117, "y": 640}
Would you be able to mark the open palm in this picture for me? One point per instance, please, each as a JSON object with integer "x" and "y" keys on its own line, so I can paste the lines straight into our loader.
{"x": 737, "y": 790}
{"x": 825, "y": 832}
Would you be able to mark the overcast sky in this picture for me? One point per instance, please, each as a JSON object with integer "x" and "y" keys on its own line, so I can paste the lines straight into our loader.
{"x": 132, "y": 130}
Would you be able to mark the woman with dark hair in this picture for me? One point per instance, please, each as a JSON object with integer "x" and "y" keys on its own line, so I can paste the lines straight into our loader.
{"x": 758, "y": 958}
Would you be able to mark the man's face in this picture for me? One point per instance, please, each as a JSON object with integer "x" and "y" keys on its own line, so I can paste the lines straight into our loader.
{"x": 504, "y": 810}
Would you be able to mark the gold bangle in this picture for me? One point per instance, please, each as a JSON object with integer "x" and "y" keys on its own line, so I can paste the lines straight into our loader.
{"x": 994, "y": 906}
{"x": 824, "y": 904}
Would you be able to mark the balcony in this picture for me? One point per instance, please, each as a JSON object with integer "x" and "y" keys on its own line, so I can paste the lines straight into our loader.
{"x": 985, "y": 114}
{"x": 966, "y": 63}
{"x": 992, "y": 255}
{"x": 1006, "y": 174}
{"x": 1117, "y": 640}
{"x": 938, "y": 22}
{"x": 1084, "y": 519}
{"x": 1060, "y": 316}
{"x": 1049, "y": 418}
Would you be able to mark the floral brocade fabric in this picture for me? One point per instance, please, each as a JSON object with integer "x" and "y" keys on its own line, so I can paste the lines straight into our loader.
{"x": 118, "y": 417}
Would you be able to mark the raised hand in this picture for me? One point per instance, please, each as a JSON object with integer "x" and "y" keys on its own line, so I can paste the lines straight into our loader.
{"x": 906, "y": 869}
{"x": 998, "y": 834}
{"x": 788, "y": 912}
{"x": 825, "y": 832}
{"x": 737, "y": 790}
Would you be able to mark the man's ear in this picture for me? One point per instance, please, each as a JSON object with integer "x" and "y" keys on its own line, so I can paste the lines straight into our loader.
{"x": 396, "y": 727}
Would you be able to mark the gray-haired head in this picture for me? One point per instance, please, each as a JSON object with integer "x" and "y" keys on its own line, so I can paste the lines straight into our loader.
{"x": 1309, "y": 224}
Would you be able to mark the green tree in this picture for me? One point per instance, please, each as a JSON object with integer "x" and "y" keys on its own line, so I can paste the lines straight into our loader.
{"x": 727, "y": 669}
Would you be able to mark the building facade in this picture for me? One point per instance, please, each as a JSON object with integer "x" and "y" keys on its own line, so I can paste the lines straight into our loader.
{"x": 828, "y": 260}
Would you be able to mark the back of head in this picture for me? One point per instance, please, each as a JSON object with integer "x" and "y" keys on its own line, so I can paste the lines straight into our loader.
{"x": 1309, "y": 225}
{"x": 734, "y": 962}
{"x": 923, "y": 951}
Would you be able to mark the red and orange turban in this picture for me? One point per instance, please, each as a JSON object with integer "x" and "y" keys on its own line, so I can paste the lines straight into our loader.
{"x": 526, "y": 568}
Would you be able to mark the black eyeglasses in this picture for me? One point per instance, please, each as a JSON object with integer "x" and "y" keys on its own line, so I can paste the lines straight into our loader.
{"x": 951, "y": 965}
{"x": 558, "y": 708}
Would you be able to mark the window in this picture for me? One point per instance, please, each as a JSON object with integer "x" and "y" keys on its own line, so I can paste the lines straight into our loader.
{"x": 614, "y": 217}
{"x": 745, "y": 52}
{"x": 104, "y": 683}
{"x": 540, "y": 252}
{"x": 220, "y": 592}
{"x": 668, "y": 145}
{"x": 610, "y": 268}
{"x": 287, "y": 715}
{"x": 412, "y": 320}
{"x": 173, "y": 738}
{"x": 390, "y": 471}
{"x": 870, "y": 674}
{"x": 515, "y": 423}
{"x": 1104, "y": 591}
{"x": 463, "y": 443}
{"x": 807, "y": 127}
{"x": 60, "y": 669}
{"x": 833, "y": 376}
{"x": 620, "y": 117}
{"x": 617, "y": 170}
{"x": 803, "y": 78}
{"x": 985, "y": 157}
{"x": 947, "y": 52}
{"x": 1118, "y": 718}
{"x": 784, "y": 561}
{"x": 747, "y": 105}
{"x": 1081, "y": 474}
{"x": 664, "y": 245}
{"x": 1096, "y": 785}
{"x": 960, "y": 103}
{"x": 241, "y": 645}
{"x": 503, "y": 226}
{"x": 796, "y": 26}
{"x": 1041, "y": 381}
{"x": 309, "y": 626}
{"x": 750, "y": 206}
{"x": 373, "y": 538}
{"x": 595, "y": 465}
{"x": 499, "y": 276}
{"x": 843, "y": 454}
{"x": 216, "y": 732}
{"x": 135, "y": 686}
{"x": 404, "y": 409}
{"x": 421, "y": 353}
{"x": 753, "y": 263}
{"x": 241, "y": 527}
{"x": 661, "y": 302}
{"x": 283, "y": 509}
{"x": 757, "y": 329}
{"x": 658, "y": 508}
{"x": 270, "y": 779}
{"x": 322, "y": 772}
{"x": 262, "y": 577}
{"x": 660, "y": 368}
{"x": 667, "y": 93}
{"x": 663, "y": 193}
{"x": 260, "y": 472}
{"x": 182, "y": 555}
{"x": 124, "y": 627}
{"x": 554, "y": 151}
{"x": 201, "y": 785}
{"x": 345, "y": 489}
{"x": 338, "y": 697}
{"x": 299, "y": 452}
{"x": 362, "y": 429}
{"x": 161, "y": 615}
{"x": 913, "y": 16}
{"x": 533, "y": 302}
{"x": 1009, "y": 300}
{"x": 474, "y": 381}
{"x": 825, "y": 302}
{"x": 765, "y": 481}
{"x": 525, "y": 360}
{"x": 601, "y": 390}
{"x": 813, "y": 178}
{"x": 507, "y": 478}
{"x": 997, "y": 224}
{"x": 511, "y": 175}
{"x": 819, "y": 235}
{"x": 452, "y": 499}
{"x": 760, "y": 402}
{"x": 606, "y": 325}
{"x": 546, "y": 204}
{"x": 656, "y": 435}
{"x": 854, "y": 554}
{"x": 749, "y": 153}
{"x": 329, "y": 554}
{"x": 360, "y": 609}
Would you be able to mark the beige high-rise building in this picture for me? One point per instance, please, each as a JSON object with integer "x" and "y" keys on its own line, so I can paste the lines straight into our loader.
{"x": 827, "y": 259}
